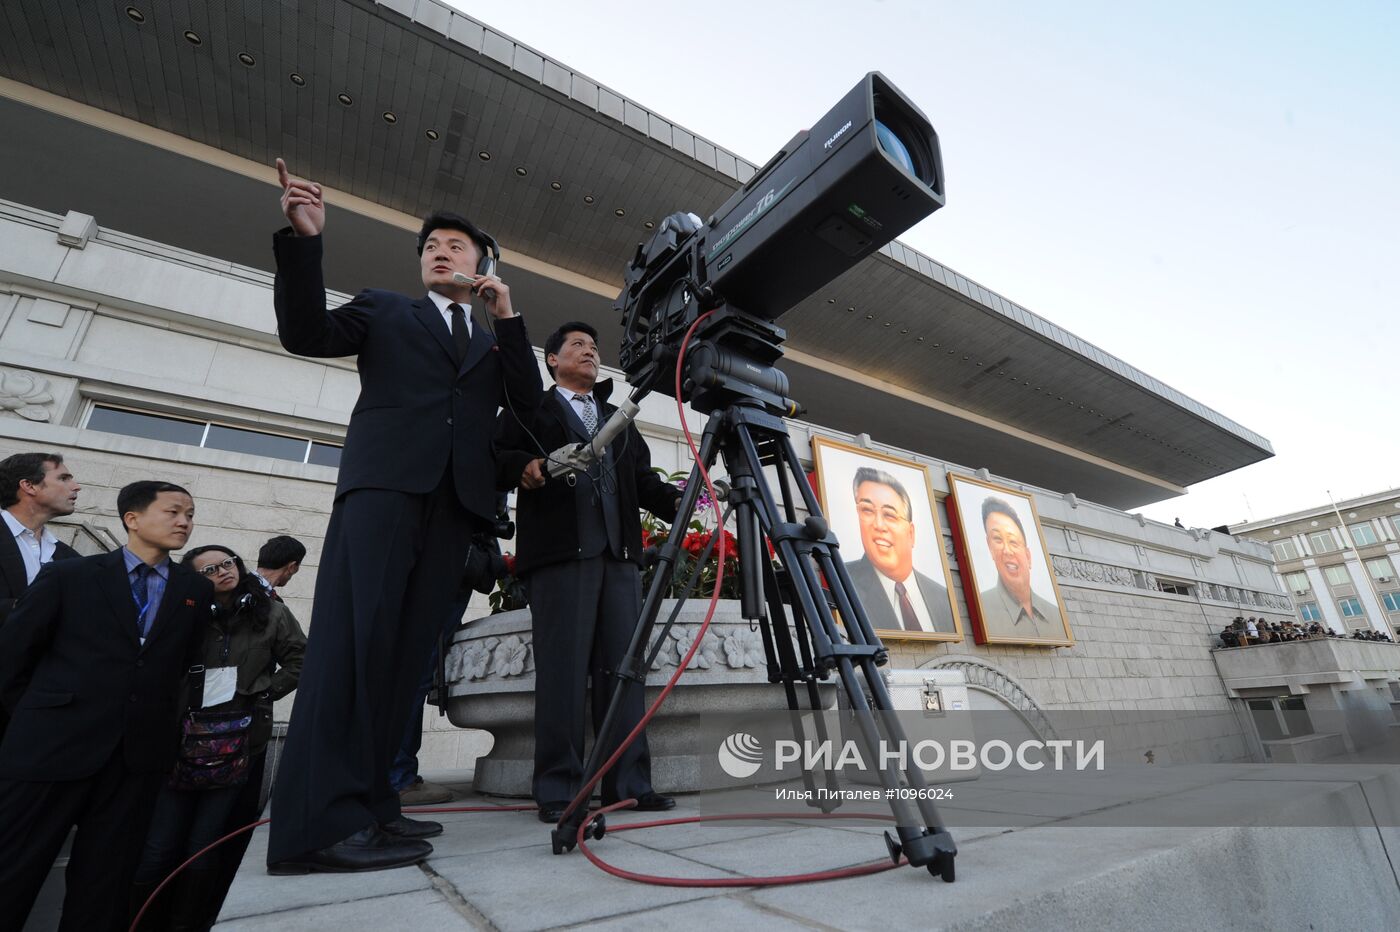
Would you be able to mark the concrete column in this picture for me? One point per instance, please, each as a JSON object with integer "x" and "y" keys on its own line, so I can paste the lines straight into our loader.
{"x": 1375, "y": 612}
{"x": 1330, "y": 614}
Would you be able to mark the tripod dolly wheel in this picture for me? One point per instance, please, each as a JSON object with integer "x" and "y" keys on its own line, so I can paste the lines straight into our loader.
{"x": 598, "y": 829}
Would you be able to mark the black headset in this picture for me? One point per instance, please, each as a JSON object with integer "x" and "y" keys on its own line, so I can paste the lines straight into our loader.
{"x": 490, "y": 254}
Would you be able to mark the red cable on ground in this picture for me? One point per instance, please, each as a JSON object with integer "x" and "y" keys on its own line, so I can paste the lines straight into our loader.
{"x": 188, "y": 861}
{"x": 855, "y": 870}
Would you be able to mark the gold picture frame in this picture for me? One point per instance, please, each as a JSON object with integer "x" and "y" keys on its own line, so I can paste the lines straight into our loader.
{"x": 886, "y": 541}
{"x": 1008, "y": 581}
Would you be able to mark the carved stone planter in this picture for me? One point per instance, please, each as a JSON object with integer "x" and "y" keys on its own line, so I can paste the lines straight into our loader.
{"x": 491, "y": 685}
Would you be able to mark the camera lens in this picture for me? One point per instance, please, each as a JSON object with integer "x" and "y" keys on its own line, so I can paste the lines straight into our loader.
{"x": 894, "y": 148}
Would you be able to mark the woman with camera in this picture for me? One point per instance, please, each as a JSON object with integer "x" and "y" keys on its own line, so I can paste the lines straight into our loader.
{"x": 252, "y": 656}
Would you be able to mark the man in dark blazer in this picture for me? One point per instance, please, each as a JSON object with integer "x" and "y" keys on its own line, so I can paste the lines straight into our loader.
{"x": 579, "y": 550}
{"x": 417, "y": 477}
{"x": 92, "y": 662}
{"x": 34, "y": 489}
{"x": 893, "y": 593}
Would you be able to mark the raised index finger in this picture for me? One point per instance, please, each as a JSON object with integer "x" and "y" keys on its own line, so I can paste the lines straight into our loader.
{"x": 282, "y": 177}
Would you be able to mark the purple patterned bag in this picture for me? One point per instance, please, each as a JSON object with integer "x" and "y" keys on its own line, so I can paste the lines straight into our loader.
{"x": 213, "y": 750}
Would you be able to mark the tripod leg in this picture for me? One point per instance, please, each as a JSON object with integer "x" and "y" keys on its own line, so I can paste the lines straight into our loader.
{"x": 631, "y": 672}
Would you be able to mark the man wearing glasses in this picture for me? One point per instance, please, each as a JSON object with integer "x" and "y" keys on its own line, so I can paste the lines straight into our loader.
{"x": 894, "y": 594}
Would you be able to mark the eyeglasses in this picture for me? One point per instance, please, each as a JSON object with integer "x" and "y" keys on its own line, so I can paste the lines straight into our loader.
{"x": 213, "y": 568}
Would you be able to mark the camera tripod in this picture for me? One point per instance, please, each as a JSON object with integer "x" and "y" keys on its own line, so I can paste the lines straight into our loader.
{"x": 751, "y": 434}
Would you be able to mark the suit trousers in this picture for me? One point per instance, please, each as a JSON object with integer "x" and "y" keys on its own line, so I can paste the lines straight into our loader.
{"x": 111, "y": 809}
{"x": 583, "y": 613}
{"x": 389, "y": 571}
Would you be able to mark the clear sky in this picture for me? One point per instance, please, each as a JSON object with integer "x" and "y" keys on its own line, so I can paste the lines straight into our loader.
{"x": 1210, "y": 191}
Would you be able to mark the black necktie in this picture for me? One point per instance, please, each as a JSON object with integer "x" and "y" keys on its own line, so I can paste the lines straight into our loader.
{"x": 460, "y": 337}
{"x": 906, "y": 609}
{"x": 141, "y": 595}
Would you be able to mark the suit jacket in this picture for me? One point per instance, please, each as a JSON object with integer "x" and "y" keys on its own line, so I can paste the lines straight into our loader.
{"x": 880, "y": 610}
{"x": 418, "y": 408}
{"x": 546, "y": 517}
{"x": 13, "y": 579}
{"x": 76, "y": 679}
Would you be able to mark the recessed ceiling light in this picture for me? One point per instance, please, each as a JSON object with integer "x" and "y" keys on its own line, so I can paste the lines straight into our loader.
{"x": 588, "y": 199}
{"x": 193, "y": 38}
{"x": 389, "y": 116}
{"x": 297, "y": 79}
{"x": 555, "y": 186}
{"x": 484, "y": 155}
{"x": 344, "y": 98}
{"x": 918, "y": 339}
{"x": 619, "y": 212}
{"x": 830, "y": 300}
{"x": 887, "y": 323}
{"x": 649, "y": 225}
{"x": 247, "y": 59}
{"x": 135, "y": 15}
{"x": 869, "y": 316}
{"x": 432, "y": 134}
{"x": 905, "y": 330}
{"x": 851, "y": 309}
{"x": 521, "y": 171}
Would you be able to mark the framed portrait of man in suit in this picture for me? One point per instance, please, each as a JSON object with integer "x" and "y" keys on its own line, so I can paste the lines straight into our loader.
{"x": 882, "y": 510}
{"x": 1011, "y": 591}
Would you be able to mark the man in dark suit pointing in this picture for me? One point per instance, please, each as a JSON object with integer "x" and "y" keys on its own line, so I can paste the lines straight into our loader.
{"x": 417, "y": 477}
{"x": 893, "y": 593}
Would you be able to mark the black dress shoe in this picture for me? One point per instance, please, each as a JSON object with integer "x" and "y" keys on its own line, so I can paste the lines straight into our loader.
{"x": 369, "y": 849}
{"x": 552, "y": 812}
{"x": 404, "y": 827}
{"x": 653, "y": 802}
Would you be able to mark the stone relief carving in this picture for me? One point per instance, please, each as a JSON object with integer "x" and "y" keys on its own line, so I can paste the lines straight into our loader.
{"x": 25, "y": 393}
{"x": 1072, "y": 568}
{"x": 984, "y": 676}
{"x": 478, "y": 660}
{"x": 744, "y": 649}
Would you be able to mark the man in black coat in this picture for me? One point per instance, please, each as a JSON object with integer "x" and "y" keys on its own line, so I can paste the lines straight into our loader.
{"x": 417, "y": 477}
{"x": 579, "y": 551}
{"x": 92, "y": 662}
{"x": 34, "y": 489}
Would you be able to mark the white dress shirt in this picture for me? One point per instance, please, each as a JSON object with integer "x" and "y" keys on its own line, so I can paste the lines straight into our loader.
{"x": 443, "y": 303}
{"x": 35, "y": 549}
{"x": 916, "y": 599}
{"x": 569, "y": 400}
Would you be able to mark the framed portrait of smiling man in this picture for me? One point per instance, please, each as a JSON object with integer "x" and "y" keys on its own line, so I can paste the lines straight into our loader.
{"x": 882, "y": 511}
{"x": 1011, "y": 590}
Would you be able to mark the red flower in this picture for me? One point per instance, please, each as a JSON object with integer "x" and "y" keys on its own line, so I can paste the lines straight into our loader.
{"x": 509, "y": 559}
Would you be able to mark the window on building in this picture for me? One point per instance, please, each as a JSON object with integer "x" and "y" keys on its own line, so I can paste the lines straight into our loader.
{"x": 1309, "y": 611}
{"x": 1279, "y": 717}
{"x": 1362, "y": 534}
{"x": 1380, "y": 569}
{"x": 1297, "y": 582}
{"x": 1285, "y": 550}
{"x": 1391, "y": 600}
{"x": 1174, "y": 587}
{"x": 1322, "y": 542}
{"x": 1337, "y": 575}
{"x": 1351, "y": 607}
{"x": 212, "y": 436}
{"x": 1396, "y": 521}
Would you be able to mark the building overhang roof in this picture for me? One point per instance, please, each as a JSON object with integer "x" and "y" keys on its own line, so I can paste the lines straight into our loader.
{"x": 160, "y": 137}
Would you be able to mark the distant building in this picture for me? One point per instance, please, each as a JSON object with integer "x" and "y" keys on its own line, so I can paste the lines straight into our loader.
{"x": 1340, "y": 564}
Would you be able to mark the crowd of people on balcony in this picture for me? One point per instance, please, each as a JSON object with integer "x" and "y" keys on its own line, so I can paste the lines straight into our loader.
{"x": 1246, "y": 632}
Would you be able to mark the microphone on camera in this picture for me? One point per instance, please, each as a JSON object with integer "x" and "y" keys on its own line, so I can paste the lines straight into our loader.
{"x": 578, "y": 457}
